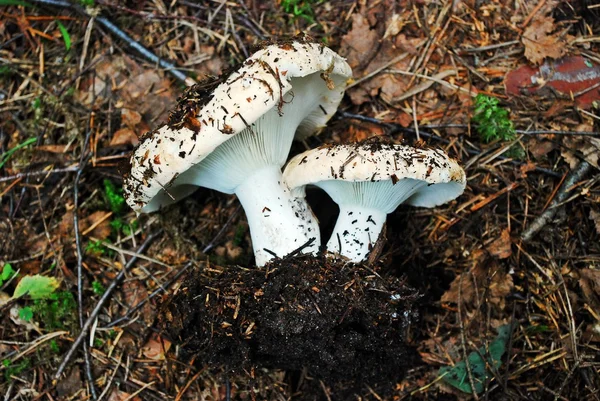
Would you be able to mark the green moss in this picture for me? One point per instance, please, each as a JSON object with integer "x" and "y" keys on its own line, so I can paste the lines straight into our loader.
{"x": 58, "y": 312}
{"x": 15, "y": 369}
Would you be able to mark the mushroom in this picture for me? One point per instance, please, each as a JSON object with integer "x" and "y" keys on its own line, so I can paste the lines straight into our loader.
{"x": 369, "y": 180}
{"x": 233, "y": 134}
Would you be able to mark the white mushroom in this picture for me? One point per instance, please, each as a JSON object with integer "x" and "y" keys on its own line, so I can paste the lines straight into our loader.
{"x": 370, "y": 180}
{"x": 233, "y": 135}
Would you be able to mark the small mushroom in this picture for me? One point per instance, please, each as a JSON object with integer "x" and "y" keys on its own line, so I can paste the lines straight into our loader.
{"x": 369, "y": 180}
{"x": 233, "y": 134}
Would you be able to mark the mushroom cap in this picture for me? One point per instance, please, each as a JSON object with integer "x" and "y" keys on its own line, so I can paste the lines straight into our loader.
{"x": 212, "y": 112}
{"x": 376, "y": 162}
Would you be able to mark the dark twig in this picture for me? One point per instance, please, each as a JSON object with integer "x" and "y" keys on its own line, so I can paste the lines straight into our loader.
{"x": 86, "y": 352}
{"x": 143, "y": 302}
{"x": 300, "y": 248}
{"x": 105, "y": 297}
{"x": 128, "y": 40}
{"x": 576, "y": 175}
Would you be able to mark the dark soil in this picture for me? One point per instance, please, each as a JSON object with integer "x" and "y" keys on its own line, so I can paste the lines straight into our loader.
{"x": 345, "y": 323}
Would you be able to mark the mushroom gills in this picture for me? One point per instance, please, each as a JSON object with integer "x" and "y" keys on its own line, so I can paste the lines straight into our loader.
{"x": 364, "y": 206}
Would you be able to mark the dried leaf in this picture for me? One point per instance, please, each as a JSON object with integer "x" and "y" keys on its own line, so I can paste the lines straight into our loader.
{"x": 483, "y": 274}
{"x": 500, "y": 247}
{"x": 540, "y": 42}
{"x": 156, "y": 348}
{"x": 124, "y": 136}
{"x": 595, "y": 216}
{"x": 589, "y": 281}
{"x": 582, "y": 147}
{"x": 360, "y": 44}
{"x": 118, "y": 395}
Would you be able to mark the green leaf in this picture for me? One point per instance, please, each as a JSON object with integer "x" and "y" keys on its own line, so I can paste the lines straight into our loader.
{"x": 65, "y": 34}
{"x": 14, "y": 3}
{"x": 458, "y": 376}
{"x": 26, "y": 314}
{"x": 7, "y": 272}
{"x": 36, "y": 287}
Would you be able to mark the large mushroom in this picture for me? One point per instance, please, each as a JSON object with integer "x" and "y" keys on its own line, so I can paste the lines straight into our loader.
{"x": 233, "y": 134}
{"x": 370, "y": 180}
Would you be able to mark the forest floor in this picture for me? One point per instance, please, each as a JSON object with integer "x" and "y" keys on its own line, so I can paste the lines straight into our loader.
{"x": 503, "y": 282}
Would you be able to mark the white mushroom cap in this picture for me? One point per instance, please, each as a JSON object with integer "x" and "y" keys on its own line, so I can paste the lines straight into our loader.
{"x": 369, "y": 180}
{"x": 211, "y": 113}
{"x": 370, "y": 162}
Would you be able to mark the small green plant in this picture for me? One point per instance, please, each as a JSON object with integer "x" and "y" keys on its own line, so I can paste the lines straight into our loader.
{"x": 6, "y": 274}
{"x": 15, "y": 370}
{"x": 26, "y": 313}
{"x": 98, "y": 288}
{"x": 65, "y": 34}
{"x": 300, "y": 9}
{"x": 96, "y": 247}
{"x": 492, "y": 121}
{"x": 57, "y": 312}
{"x": 114, "y": 197}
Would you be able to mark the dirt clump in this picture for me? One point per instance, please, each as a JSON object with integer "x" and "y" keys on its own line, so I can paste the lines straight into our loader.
{"x": 345, "y": 323}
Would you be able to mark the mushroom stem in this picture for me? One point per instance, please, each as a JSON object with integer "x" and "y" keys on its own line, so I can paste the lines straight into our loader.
{"x": 356, "y": 231}
{"x": 279, "y": 222}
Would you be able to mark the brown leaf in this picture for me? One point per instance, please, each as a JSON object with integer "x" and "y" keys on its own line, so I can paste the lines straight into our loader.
{"x": 581, "y": 147}
{"x": 118, "y": 395}
{"x": 130, "y": 118}
{"x": 595, "y": 216}
{"x": 124, "y": 136}
{"x": 472, "y": 284}
{"x": 500, "y": 247}
{"x": 156, "y": 348}
{"x": 69, "y": 385}
{"x": 360, "y": 44}
{"x": 589, "y": 281}
{"x": 540, "y": 42}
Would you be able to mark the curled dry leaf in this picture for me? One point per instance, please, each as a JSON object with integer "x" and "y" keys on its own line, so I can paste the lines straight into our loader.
{"x": 595, "y": 216}
{"x": 540, "y": 41}
{"x": 156, "y": 348}
{"x": 118, "y": 395}
{"x": 500, "y": 247}
{"x": 484, "y": 274}
{"x": 583, "y": 147}
{"x": 589, "y": 281}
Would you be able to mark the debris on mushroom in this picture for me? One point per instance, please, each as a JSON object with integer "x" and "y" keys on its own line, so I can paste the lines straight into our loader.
{"x": 233, "y": 134}
{"x": 369, "y": 180}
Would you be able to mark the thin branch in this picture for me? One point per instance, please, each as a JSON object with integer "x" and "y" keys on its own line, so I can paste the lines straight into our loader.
{"x": 576, "y": 175}
{"x": 105, "y": 297}
{"x": 72, "y": 169}
{"x": 86, "y": 352}
{"x": 127, "y": 40}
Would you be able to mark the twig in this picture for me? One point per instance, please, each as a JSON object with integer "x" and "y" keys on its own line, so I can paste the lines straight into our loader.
{"x": 86, "y": 352}
{"x": 140, "y": 304}
{"x": 128, "y": 40}
{"x": 100, "y": 304}
{"x": 577, "y": 174}
{"x": 17, "y": 176}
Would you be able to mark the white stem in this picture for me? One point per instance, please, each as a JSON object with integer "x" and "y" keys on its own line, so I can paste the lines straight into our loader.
{"x": 356, "y": 231}
{"x": 279, "y": 223}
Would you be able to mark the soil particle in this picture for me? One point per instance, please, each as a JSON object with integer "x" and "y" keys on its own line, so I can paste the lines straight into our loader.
{"x": 345, "y": 323}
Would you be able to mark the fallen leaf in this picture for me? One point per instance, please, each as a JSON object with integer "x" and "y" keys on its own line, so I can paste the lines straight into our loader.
{"x": 595, "y": 216}
{"x": 70, "y": 384}
{"x": 156, "y": 348}
{"x": 540, "y": 41}
{"x": 118, "y": 395}
{"x": 484, "y": 273}
{"x": 576, "y": 148}
{"x": 500, "y": 247}
{"x": 360, "y": 44}
{"x": 124, "y": 136}
{"x": 589, "y": 281}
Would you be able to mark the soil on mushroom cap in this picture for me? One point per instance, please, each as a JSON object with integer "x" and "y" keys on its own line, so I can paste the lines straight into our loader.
{"x": 343, "y": 322}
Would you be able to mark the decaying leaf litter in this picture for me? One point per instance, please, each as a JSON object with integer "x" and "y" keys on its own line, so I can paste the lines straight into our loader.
{"x": 73, "y": 115}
